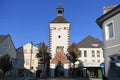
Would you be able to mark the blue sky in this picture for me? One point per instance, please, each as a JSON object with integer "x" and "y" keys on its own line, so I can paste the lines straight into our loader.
{"x": 28, "y": 20}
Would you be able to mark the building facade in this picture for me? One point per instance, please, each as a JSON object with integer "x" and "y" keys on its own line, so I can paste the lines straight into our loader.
{"x": 27, "y": 61}
{"x": 7, "y": 46}
{"x": 91, "y": 55}
{"x": 110, "y": 24}
{"x": 59, "y": 42}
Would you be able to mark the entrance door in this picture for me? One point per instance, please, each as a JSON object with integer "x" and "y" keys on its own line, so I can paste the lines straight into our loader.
{"x": 59, "y": 70}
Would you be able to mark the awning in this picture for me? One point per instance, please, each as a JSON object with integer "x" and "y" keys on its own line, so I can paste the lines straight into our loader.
{"x": 115, "y": 61}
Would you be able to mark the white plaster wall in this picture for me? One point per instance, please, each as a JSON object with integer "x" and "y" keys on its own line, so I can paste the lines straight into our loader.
{"x": 87, "y": 61}
{"x": 52, "y": 70}
{"x": 55, "y": 40}
{"x": 27, "y": 55}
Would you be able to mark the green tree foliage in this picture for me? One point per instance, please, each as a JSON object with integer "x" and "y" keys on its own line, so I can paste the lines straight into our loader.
{"x": 5, "y": 63}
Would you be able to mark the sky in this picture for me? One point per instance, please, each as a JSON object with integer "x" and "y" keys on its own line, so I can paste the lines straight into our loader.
{"x": 28, "y": 20}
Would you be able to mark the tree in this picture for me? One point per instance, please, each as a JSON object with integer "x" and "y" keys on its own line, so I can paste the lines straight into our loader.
{"x": 44, "y": 57}
{"x": 72, "y": 55}
{"x": 5, "y": 63}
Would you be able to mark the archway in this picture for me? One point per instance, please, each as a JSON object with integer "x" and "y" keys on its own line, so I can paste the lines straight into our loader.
{"x": 59, "y": 70}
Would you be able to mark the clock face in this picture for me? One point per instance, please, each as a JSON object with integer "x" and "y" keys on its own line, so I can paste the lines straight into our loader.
{"x": 59, "y": 29}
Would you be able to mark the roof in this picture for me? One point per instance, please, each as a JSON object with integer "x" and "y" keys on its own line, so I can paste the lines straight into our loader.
{"x": 60, "y": 7}
{"x": 108, "y": 15}
{"x": 107, "y": 9}
{"x": 59, "y": 19}
{"x": 3, "y": 37}
{"x": 88, "y": 42}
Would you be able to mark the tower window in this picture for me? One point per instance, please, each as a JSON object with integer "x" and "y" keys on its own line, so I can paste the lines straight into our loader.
{"x": 85, "y": 53}
{"x": 60, "y": 12}
{"x": 59, "y": 36}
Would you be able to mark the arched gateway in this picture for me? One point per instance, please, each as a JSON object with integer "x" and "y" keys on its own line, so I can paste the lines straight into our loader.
{"x": 60, "y": 63}
{"x": 59, "y": 70}
{"x": 59, "y": 42}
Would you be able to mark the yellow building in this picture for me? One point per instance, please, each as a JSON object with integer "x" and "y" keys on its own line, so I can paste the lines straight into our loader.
{"x": 27, "y": 61}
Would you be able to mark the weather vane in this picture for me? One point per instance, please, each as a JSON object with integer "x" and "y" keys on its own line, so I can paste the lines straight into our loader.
{"x": 60, "y": 2}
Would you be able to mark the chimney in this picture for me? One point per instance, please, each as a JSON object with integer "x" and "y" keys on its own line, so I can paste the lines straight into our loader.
{"x": 107, "y": 9}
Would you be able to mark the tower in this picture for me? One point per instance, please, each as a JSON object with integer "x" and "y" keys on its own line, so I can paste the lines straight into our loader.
{"x": 59, "y": 32}
{"x": 59, "y": 42}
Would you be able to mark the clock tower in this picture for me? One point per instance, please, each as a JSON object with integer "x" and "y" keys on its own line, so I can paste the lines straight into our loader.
{"x": 59, "y": 42}
{"x": 59, "y": 32}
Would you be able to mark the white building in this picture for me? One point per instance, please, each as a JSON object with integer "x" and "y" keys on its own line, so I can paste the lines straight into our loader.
{"x": 27, "y": 61}
{"x": 59, "y": 42}
{"x": 91, "y": 54}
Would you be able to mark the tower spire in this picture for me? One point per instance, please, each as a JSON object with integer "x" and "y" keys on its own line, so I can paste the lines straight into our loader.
{"x": 60, "y": 2}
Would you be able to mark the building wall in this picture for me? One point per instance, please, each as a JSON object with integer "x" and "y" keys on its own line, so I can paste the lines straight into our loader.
{"x": 62, "y": 30}
{"x": 112, "y": 46}
{"x": 27, "y": 56}
{"x": 24, "y": 54}
{"x": 7, "y": 47}
{"x": 116, "y": 40}
{"x": 89, "y": 60}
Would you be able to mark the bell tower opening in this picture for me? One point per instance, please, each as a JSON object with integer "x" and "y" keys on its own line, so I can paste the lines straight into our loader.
{"x": 60, "y": 11}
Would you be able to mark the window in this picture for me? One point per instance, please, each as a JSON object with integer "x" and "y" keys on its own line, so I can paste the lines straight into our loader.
{"x": 27, "y": 62}
{"x": 98, "y": 61}
{"x": 60, "y": 12}
{"x": 109, "y": 31}
{"x": 85, "y": 61}
{"x": 93, "y": 60}
{"x": 80, "y": 55}
{"x": 65, "y": 28}
{"x": 33, "y": 62}
{"x": 98, "y": 53}
{"x": 25, "y": 51}
{"x": 85, "y": 53}
{"x": 93, "y": 53}
{"x": 54, "y": 28}
{"x": 59, "y": 36}
{"x": 5, "y": 46}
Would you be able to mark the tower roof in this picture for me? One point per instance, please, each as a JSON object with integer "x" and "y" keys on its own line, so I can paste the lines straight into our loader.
{"x": 60, "y": 7}
{"x": 59, "y": 19}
